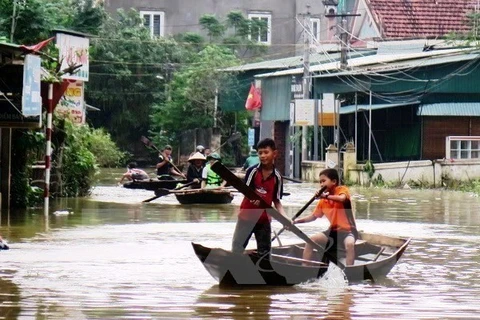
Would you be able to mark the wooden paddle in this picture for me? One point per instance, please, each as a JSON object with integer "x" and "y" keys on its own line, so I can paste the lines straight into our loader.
{"x": 292, "y": 179}
{"x": 160, "y": 192}
{"x": 150, "y": 144}
{"x": 322, "y": 190}
{"x": 234, "y": 137}
{"x": 248, "y": 192}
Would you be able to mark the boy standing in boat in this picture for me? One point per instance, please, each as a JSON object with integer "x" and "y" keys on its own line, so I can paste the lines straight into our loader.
{"x": 335, "y": 205}
{"x": 267, "y": 182}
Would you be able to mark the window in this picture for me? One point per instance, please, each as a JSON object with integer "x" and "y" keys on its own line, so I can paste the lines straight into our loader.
{"x": 315, "y": 29}
{"x": 261, "y": 27}
{"x": 154, "y": 21}
{"x": 463, "y": 147}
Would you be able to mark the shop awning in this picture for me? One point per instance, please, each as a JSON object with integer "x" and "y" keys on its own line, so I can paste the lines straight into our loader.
{"x": 450, "y": 109}
{"x": 365, "y": 107}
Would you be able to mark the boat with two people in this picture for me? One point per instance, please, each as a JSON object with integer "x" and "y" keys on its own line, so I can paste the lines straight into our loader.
{"x": 375, "y": 254}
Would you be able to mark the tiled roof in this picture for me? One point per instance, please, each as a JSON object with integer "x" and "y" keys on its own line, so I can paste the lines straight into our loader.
{"x": 420, "y": 18}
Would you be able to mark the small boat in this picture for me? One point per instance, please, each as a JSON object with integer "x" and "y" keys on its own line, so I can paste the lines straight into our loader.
{"x": 153, "y": 184}
{"x": 375, "y": 256}
{"x": 215, "y": 196}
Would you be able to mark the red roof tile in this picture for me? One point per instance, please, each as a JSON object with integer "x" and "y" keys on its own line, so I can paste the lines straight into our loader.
{"x": 421, "y": 18}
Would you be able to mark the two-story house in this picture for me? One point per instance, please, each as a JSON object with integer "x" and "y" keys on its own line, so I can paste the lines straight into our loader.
{"x": 285, "y": 19}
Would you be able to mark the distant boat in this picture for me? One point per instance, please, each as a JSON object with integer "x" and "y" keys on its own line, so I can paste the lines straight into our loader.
{"x": 214, "y": 196}
{"x": 153, "y": 184}
{"x": 375, "y": 254}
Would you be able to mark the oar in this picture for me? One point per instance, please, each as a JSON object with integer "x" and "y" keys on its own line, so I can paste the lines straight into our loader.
{"x": 292, "y": 179}
{"x": 160, "y": 192}
{"x": 322, "y": 190}
{"x": 150, "y": 144}
{"x": 234, "y": 137}
{"x": 248, "y": 192}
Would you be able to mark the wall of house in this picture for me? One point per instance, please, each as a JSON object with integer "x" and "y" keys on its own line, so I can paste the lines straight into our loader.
{"x": 436, "y": 129}
{"x": 183, "y": 16}
{"x": 425, "y": 173}
{"x": 280, "y": 135}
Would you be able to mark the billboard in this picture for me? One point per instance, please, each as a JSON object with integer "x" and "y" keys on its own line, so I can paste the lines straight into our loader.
{"x": 72, "y": 104}
{"x": 31, "y": 98}
{"x": 73, "y": 51}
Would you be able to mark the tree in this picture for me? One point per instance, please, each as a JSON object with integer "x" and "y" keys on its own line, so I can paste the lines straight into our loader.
{"x": 192, "y": 93}
{"x": 129, "y": 73}
{"x": 33, "y": 20}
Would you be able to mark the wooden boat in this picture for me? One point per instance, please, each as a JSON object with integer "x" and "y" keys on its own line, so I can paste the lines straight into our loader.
{"x": 190, "y": 196}
{"x": 375, "y": 254}
{"x": 153, "y": 184}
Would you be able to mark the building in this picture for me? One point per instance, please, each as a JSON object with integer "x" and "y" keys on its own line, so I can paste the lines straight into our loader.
{"x": 284, "y": 36}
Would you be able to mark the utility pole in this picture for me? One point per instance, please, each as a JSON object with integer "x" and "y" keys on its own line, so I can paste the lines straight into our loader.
{"x": 14, "y": 20}
{"x": 343, "y": 35}
{"x": 307, "y": 39}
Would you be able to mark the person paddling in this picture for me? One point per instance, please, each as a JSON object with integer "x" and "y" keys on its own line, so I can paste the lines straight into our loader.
{"x": 133, "y": 173}
{"x": 165, "y": 169}
{"x": 210, "y": 179}
{"x": 265, "y": 179}
{"x": 195, "y": 169}
{"x": 335, "y": 205}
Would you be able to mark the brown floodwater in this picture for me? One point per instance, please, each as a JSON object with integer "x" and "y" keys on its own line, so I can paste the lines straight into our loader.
{"x": 110, "y": 256}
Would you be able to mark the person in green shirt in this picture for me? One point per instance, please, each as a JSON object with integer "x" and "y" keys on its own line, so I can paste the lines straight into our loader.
{"x": 251, "y": 160}
{"x": 211, "y": 179}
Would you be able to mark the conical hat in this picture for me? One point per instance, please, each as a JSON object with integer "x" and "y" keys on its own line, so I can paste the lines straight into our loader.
{"x": 197, "y": 156}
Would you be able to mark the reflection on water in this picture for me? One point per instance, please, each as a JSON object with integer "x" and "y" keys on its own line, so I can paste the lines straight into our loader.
{"x": 9, "y": 299}
{"x": 113, "y": 256}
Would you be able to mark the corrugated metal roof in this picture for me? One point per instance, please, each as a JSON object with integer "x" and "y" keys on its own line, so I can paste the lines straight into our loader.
{"x": 294, "y": 62}
{"x": 366, "y": 107}
{"x": 382, "y": 62}
{"x": 453, "y": 109}
{"x": 10, "y": 48}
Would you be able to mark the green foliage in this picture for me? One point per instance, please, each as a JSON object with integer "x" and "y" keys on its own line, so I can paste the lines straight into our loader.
{"x": 192, "y": 92}
{"x": 76, "y": 163}
{"x": 129, "y": 74}
{"x": 106, "y": 152}
{"x": 27, "y": 146}
{"x": 215, "y": 29}
{"x": 369, "y": 168}
{"x": 35, "y": 19}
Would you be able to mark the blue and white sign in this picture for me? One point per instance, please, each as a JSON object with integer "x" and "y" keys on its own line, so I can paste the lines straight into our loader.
{"x": 251, "y": 137}
{"x": 31, "y": 98}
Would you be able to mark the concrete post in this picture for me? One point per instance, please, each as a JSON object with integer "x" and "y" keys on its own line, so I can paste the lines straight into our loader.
{"x": 331, "y": 158}
{"x": 349, "y": 160}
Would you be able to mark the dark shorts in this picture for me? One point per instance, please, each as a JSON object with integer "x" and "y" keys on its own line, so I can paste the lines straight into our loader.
{"x": 336, "y": 238}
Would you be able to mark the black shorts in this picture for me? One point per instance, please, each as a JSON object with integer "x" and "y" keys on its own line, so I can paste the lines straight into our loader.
{"x": 336, "y": 238}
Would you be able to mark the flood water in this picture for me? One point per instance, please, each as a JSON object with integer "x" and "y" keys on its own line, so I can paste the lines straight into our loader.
{"x": 110, "y": 256}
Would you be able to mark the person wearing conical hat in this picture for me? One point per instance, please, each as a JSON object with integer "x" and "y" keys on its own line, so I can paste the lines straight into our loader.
{"x": 195, "y": 169}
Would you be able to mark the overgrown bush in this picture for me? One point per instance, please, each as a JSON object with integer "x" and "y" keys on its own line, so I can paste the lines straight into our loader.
{"x": 80, "y": 151}
{"x": 105, "y": 150}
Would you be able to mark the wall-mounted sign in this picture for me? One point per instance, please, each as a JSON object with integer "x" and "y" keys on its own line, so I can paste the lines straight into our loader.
{"x": 251, "y": 137}
{"x": 327, "y": 111}
{"x": 31, "y": 98}
{"x": 304, "y": 112}
{"x": 72, "y": 103}
{"x": 73, "y": 51}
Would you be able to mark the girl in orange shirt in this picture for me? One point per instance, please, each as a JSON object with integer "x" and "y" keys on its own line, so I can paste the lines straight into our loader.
{"x": 335, "y": 205}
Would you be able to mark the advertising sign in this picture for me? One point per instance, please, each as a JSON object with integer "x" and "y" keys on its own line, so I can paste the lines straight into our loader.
{"x": 31, "y": 98}
{"x": 72, "y": 103}
{"x": 73, "y": 51}
{"x": 251, "y": 137}
{"x": 304, "y": 112}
